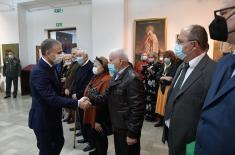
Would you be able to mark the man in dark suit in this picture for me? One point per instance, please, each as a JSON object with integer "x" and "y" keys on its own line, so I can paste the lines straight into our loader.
{"x": 188, "y": 89}
{"x": 12, "y": 70}
{"x": 46, "y": 110}
{"x": 215, "y": 132}
{"x": 83, "y": 76}
{"x": 126, "y": 99}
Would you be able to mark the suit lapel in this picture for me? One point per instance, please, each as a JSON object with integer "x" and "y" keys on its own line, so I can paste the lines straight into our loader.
{"x": 196, "y": 74}
{"x": 175, "y": 78}
{"x": 213, "y": 94}
{"x": 228, "y": 86}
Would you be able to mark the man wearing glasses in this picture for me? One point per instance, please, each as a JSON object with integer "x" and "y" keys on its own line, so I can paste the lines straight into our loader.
{"x": 189, "y": 88}
{"x": 216, "y": 129}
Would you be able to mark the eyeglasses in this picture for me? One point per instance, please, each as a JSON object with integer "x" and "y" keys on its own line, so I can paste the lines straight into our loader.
{"x": 181, "y": 42}
{"x": 226, "y": 12}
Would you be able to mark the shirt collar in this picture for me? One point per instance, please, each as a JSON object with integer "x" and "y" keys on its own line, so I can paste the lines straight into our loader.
{"x": 47, "y": 62}
{"x": 122, "y": 70}
{"x": 85, "y": 62}
{"x": 193, "y": 63}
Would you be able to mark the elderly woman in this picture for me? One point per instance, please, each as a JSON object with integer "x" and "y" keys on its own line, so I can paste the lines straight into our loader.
{"x": 102, "y": 126}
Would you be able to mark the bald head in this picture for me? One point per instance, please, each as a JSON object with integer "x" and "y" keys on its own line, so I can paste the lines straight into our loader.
{"x": 196, "y": 33}
{"x": 119, "y": 58}
{"x": 119, "y": 53}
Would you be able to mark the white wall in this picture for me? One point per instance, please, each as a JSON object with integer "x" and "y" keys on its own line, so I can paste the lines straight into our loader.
{"x": 39, "y": 22}
{"x": 23, "y": 43}
{"x": 107, "y": 26}
{"x": 9, "y": 27}
{"x": 179, "y": 13}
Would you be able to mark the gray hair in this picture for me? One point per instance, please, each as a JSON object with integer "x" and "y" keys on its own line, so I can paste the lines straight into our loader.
{"x": 120, "y": 53}
{"x": 47, "y": 45}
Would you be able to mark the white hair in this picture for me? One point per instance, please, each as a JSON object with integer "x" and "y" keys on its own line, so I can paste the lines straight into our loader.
{"x": 121, "y": 53}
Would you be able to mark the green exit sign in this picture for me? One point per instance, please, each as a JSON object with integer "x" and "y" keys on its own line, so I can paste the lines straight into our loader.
{"x": 58, "y": 10}
{"x": 59, "y": 24}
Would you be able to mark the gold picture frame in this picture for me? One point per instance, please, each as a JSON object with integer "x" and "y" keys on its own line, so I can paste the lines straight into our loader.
{"x": 149, "y": 35}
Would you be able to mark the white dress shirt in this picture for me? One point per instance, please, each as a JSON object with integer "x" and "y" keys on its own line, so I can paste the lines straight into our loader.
{"x": 192, "y": 65}
{"x": 234, "y": 68}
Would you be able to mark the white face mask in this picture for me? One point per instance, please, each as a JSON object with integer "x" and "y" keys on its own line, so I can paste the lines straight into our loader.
{"x": 67, "y": 63}
{"x": 58, "y": 59}
{"x": 10, "y": 56}
{"x": 95, "y": 70}
{"x": 144, "y": 57}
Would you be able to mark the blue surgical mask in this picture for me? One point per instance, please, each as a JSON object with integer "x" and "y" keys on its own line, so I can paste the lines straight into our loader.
{"x": 179, "y": 51}
{"x": 80, "y": 60}
{"x": 112, "y": 69}
{"x": 167, "y": 61}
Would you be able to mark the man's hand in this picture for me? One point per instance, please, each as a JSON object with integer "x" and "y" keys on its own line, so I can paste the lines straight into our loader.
{"x": 84, "y": 103}
{"x": 74, "y": 96}
{"x": 130, "y": 141}
{"x": 66, "y": 91}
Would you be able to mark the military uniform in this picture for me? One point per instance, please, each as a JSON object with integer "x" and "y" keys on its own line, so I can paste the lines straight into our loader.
{"x": 11, "y": 69}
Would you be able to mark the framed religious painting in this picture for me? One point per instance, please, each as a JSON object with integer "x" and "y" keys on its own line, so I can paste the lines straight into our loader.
{"x": 149, "y": 36}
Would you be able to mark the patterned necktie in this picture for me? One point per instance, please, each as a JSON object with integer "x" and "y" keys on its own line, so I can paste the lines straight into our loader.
{"x": 175, "y": 90}
{"x": 181, "y": 78}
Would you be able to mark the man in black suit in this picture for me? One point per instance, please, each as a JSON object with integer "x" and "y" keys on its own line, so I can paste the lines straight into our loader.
{"x": 188, "y": 90}
{"x": 46, "y": 110}
{"x": 83, "y": 76}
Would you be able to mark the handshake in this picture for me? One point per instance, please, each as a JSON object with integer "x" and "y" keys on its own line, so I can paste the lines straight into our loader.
{"x": 84, "y": 103}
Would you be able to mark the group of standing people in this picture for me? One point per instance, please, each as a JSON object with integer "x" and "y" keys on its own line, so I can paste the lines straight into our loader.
{"x": 157, "y": 71}
{"x": 194, "y": 101}
{"x": 112, "y": 87}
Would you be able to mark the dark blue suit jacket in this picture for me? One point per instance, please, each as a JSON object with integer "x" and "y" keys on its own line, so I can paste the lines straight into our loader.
{"x": 82, "y": 78}
{"x": 216, "y": 129}
{"x": 46, "y": 110}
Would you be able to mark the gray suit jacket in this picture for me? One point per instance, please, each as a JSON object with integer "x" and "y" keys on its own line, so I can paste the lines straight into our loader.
{"x": 185, "y": 110}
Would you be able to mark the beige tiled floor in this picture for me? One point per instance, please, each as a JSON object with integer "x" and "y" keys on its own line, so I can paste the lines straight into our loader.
{"x": 17, "y": 139}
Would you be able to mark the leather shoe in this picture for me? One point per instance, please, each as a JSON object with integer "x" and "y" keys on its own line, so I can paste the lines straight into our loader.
{"x": 81, "y": 141}
{"x": 159, "y": 123}
{"x": 78, "y": 134}
{"x": 72, "y": 129}
{"x": 14, "y": 96}
{"x": 88, "y": 148}
{"x": 7, "y": 96}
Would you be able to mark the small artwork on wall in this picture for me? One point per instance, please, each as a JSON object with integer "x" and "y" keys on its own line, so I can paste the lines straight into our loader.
{"x": 220, "y": 49}
{"x": 150, "y": 36}
{"x": 10, "y": 47}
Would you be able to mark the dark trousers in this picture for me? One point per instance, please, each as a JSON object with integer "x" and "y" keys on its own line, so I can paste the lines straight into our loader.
{"x": 8, "y": 85}
{"x": 100, "y": 142}
{"x": 50, "y": 142}
{"x": 121, "y": 146}
{"x": 84, "y": 127}
{"x": 176, "y": 144}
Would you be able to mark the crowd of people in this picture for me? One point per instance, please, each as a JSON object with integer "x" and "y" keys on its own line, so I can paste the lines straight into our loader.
{"x": 183, "y": 90}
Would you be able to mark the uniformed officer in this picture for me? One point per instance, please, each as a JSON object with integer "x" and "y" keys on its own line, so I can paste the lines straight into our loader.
{"x": 11, "y": 70}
